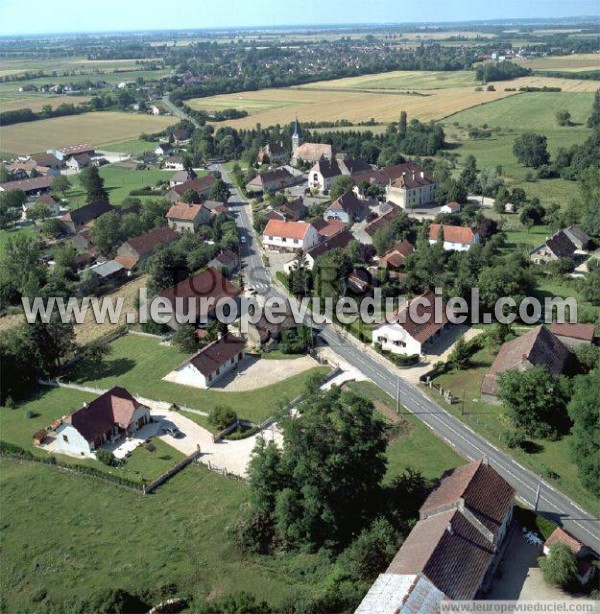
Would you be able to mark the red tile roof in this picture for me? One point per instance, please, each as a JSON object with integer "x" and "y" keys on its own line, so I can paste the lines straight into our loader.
{"x": 184, "y": 211}
{"x": 537, "y": 346}
{"x": 585, "y": 332}
{"x": 485, "y": 493}
{"x": 203, "y": 285}
{"x": 384, "y": 220}
{"x": 389, "y": 173}
{"x": 114, "y": 407}
{"x": 561, "y": 536}
{"x": 337, "y": 241}
{"x": 288, "y": 230}
{"x": 452, "y": 234}
{"x": 198, "y": 184}
{"x": 329, "y": 228}
{"x": 422, "y": 331}
{"x": 217, "y": 354}
{"x": 396, "y": 255}
{"x": 76, "y": 149}
{"x": 28, "y": 185}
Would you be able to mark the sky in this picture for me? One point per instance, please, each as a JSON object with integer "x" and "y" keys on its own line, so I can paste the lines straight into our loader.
{"x": 61, "y": 16}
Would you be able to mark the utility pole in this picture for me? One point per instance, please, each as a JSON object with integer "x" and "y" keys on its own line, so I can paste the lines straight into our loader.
{"x": 462, "y": 413}
{"x": 537, "y": 494}
{"x": 398, "y": 395}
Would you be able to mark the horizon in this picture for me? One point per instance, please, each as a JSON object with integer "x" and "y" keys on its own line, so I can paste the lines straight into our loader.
{"x": 46, "y": 20}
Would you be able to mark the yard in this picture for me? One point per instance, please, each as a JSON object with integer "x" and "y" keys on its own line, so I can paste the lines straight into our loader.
{"x": 542, "y": 456}
{"x": 94, "y": 128}
{"x": 416, "y": 446}
{"x": 45, "y": 405}
{"x": 177, "y": 536}
{"x": 139, "y": 364}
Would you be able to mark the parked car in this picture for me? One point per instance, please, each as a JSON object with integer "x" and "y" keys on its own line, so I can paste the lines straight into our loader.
{"x": 172, "y": 430}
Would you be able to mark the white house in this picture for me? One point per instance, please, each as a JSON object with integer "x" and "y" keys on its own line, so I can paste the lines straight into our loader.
{"x": 413, "y": 328}
{"x": 175, "y": 163}
{"x": 348, "y": 208}
{"x": 452, "y": 207}
{"x": 323, "y": 174}
{"x": 414, "y": 188}
{"x": 203, "y": 369}
{"x": 282, "y": 235}
{"x": 456, "y": 238}
{"x": 109, "y": 417}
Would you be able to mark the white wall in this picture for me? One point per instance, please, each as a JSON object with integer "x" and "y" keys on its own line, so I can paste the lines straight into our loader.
{"x": 76, "y": 444}
{"x": 393, "y": 338}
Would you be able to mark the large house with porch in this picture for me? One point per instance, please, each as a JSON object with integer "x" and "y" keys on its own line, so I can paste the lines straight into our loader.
{"x": 414, "y": 327}
{"x": 109, "y": 417}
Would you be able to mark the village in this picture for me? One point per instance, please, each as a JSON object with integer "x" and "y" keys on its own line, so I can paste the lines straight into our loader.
{"x": 302, "y": 460}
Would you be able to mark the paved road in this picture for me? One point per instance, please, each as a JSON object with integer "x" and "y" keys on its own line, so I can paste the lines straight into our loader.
{"x": 551, "y": 503}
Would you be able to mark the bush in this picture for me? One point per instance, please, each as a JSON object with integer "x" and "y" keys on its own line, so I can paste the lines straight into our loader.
{"x": 513, "y": 439}
{"x": 105, "y": 457}
{"x": 222, "y": 416}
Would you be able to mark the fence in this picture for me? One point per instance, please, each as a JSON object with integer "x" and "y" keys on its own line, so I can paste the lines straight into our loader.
{"x": 223, "y": 471}
{"x": 171, "y": 472}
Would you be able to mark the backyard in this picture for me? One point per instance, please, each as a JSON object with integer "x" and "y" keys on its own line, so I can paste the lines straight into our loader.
{"x": 139, "y": 364}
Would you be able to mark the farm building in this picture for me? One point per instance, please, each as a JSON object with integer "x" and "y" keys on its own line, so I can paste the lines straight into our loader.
{"x": 186, "y": 217}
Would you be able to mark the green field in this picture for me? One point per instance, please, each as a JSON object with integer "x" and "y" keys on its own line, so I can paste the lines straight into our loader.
{"x": 69, "y": 536}
{"x": 401, "y": 80}
{"x": 489, "y": 420}
{"x": 139, "y": 364}
{"x": 131, "y": 147}
{"x": 514, "y": 115}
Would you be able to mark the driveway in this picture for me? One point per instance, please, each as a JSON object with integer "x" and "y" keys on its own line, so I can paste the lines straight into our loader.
{"x": 230, "y": 455}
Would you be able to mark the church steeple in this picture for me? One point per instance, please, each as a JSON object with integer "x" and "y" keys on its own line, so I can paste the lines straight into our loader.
{"x": 296, "y": 137}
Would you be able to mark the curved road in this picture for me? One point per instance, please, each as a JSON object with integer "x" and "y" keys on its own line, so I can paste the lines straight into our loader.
{"x": 551, "y": 503}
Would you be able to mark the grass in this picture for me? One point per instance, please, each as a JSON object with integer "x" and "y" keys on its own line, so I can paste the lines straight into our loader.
{"x": 490, "y": 421}
{"x": 139, "y": 364}
{"x": 95, "y": 128}
{"x": 417, "y": 447}
{"x": 573, "y": 63}
{"x": 515, "y": 115}
{"x": 120, "y": 181}
{"x": 131, "y": 147}
{"x": 46, "y": 405}
{"x": 70, "y": 536}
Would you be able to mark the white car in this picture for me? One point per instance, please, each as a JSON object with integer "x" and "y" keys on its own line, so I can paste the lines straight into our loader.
{"x": 243, "y": 238}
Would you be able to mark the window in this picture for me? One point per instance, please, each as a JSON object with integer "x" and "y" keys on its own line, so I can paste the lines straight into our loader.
{"x": 65, "y": 438}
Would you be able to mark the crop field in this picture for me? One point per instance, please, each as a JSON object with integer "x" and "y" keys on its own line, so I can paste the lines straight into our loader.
{"x": 573, "y": 63}
{"x": 566, "y": 85}
{"x": 96, "y": 128}
{"x": 280, "y": 106}
{"x": 81, "y": 63}
{"x": 401, "y": 80}
{"x": 37, "y": 101}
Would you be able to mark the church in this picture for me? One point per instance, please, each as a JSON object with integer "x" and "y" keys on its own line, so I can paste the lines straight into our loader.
{"x": 308, "y": 152}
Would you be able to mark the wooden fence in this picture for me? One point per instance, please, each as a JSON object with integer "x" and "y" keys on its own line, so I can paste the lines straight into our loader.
{"x": 171, "y": 472}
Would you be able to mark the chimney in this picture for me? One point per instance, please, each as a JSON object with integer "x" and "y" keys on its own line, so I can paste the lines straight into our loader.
{"x": 422, "y": 174}
{"x": 450, "y": 529}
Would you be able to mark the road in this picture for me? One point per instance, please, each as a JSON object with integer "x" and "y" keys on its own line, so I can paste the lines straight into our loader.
{"x": 550, "y": 502}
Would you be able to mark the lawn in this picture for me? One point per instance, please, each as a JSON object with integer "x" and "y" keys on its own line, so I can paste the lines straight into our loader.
{"x": 139, "y": 364}
{"x": 417, "y": 447}
{"x": 48, "y": 404}
{"x": 95, "y": 128}
{"x": 67, "y": 536}
{"x": 120, "y": 181}
{"x": 131, "y": 147}
{"x": 489, "y": 420}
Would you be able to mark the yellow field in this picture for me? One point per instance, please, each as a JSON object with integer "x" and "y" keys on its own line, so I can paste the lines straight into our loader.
{"x": 567, "y": 85}
{"x": 35, "y": 103}
{"x": 280, "y": 106}
{"x": 572, "y": 63}
{"x": 94, "y": 128}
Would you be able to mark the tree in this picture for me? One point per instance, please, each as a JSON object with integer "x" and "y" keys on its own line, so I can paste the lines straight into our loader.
{"x": 371, "y": 552}
{"x": 329, "y": 272}
{"x": 591, "y": 287}
{"x": 95, "y": 352}
{"x": 501, "y": 280}
{"x": 584, "y": 410}
{"x": 531, "y": 149}
{"x": 93, "y": 184}
{"x": 106, "y": 232}
{"x": 190, "y": 197}
{"x": 222, "y": 416}
{"x": 563, "y": 118}
{"x": 236, "y": 603}
{"x": 60, "y": 185}
{"x": 340, "y": 186}
{"x": 53, "y": 227}
{"x": 105, "y": 456}
{"x": 220, "y": 191}
{"x": 300, "y": 278}
{"x": 468, "y": 177}
{"x": 402, "y": 124}
{"x": 21, "y": 265}
{"x": 11, "y": 204}
{"x": 559, "y": 566}
{"x": 594, "y": 119}
{"x": 185, "y": 339}
{"x": 460, "y": 355}
{"x": 39, "y": 211}
{"x": 536, "y": 401}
